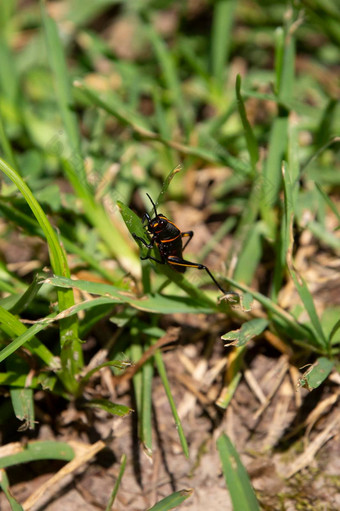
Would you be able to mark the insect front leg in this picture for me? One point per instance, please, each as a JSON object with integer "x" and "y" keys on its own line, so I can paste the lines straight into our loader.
{"x": 149, "y": 246}
{"x": 153, "y": 259}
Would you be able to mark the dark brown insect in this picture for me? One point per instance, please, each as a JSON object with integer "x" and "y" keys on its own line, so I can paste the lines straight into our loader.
{"x": 168, "y": 239}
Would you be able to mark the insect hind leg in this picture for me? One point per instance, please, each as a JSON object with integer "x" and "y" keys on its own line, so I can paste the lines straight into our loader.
{"x": 178, "y": 261}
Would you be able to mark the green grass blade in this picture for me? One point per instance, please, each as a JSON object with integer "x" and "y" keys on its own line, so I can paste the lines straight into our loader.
{"x": 135, "y": 353}
{"x": 272, "y": 168}
{"x": 58, "y": 260}
{"x": 170, "y": 72}
{"x": 320, "y": 232}
{"x": 334, "y": 330}
{"x": 4, "y": 142}
{"x": 71, "y": 246}
{"x": 33, "y": 451}
{"x": 247, "y": 332}
{"x": 167, "y": 182}
{"x": 224, "y": 400}
{"x": 117, "y": 364}
{"x": 299, "y": 331}
{"x": 109, "y": 407}
{"x": 299, "y": 282}
{"x": 81, "y": 14}
{"x": 285, "y": 83}
{"x": 162, "y": 373}
{"x": 117, "y": 483}
{"x": 62, "y": 85}
{"x": 252, "y": 146}
{"x": 326, "y": 128}
{"x": 4, "y": 485}
{"x": 13, "y": 327}
{"x": 172, "y": 501}
{"x": 221, "y": 38}
{"x": 9, "y": 82}
{"x": 329, "y": 202}
{"x": 68, "y": 326}
{"x": 23, "y": 406}
{"x": 27, "y": 335}
{"x": 153, "y": 302}
{"x": 307, "y": 300}
{"x": 13, "y": 379}
{"x": 250, "y": 255}
{"x": 272, "y": 178}
{"x": 236, "y": 477}
{"x": 28, "y": 296}
{"x": 315, "y": 375}
{"x": 163, "y": 127}
{"x": 146, "y": 406}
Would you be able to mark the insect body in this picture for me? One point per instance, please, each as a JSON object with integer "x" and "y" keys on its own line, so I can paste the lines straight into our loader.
{"x": 169, "y": 240}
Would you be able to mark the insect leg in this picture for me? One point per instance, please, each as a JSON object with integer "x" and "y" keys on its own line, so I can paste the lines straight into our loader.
{"x": 178, "y": 261}
{"x": 147, "y": 245}
{"x": 153, "y": 259}
{"x": 187, "y": 234}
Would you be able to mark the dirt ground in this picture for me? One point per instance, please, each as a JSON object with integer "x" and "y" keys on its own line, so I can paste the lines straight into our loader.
{"x": 278, "y": 429}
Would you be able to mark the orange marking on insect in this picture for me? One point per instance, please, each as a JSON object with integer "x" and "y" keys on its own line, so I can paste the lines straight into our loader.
{"x": 172, "y": 239}
{"x": 173, "y": 224}
{"x": 181, "y": 264}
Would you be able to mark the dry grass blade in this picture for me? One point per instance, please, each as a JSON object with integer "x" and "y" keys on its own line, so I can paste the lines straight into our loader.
{"x": 305, "y": 459}
{"x": 170, "y": 336}
{"x": 281, "y": 369}
{"x": 281, "y": 417}
{"x": 83, "y": 454}
{"x": 254, "y": 386}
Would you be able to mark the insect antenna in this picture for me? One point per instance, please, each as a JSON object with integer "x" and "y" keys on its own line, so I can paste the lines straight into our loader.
{"x": 154, "y": 205}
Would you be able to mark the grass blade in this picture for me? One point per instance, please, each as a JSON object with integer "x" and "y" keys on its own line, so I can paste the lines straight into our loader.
{"x": 109, "y": 407}
{"x": 24, "y": 337}
{"x": 299, "y": 282}
{"x": 236, "y": 477}
{"x": 13, "y": 327}
{"x": 117, "y": 483}
{"x": 252, "y": 146}
{"x": 329, "y": 203}
{"x": 162, "y": 373}
{"x": 170, "y": 72}
{"x": 146, "y": 406}
{"x": 315, "y": 375}
{"x": 4, "y": 484}
{"x": 272, "y": 178}
{"x": 62, "y": 85}
{"x": 153, "y": 302}
{"x": 28, "y": 296}
{"x": 23, "y": 406}
{"x": 246, "y": 333}
{"x": 33, "y": 451}
{"x": 68, "y": 326}
{"x": 221, "y": 37}
{"x": 172, "y": 501}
